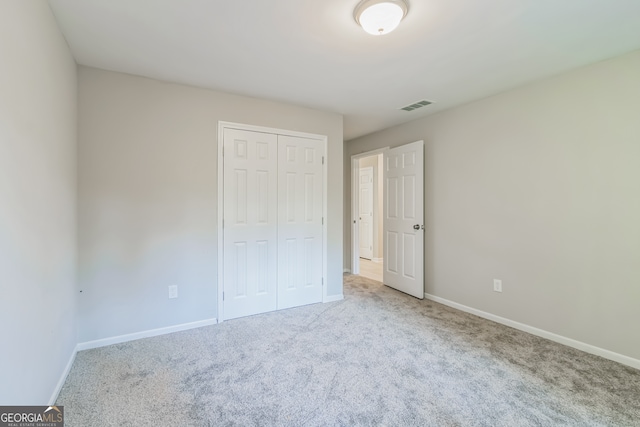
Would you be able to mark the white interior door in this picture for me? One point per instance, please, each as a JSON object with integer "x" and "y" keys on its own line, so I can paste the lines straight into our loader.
{"x": 250, "y": 223}
{"x": 404, "y": 219}
{"x": 366, "y": 212}
{"x": 300, "y": 223}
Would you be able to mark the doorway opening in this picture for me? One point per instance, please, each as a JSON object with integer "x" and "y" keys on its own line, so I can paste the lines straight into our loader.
{"x": 401, "y": 219}
{"x": 368, "y": 196}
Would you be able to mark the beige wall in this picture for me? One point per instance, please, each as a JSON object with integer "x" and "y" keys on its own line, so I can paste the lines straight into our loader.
{"x": 148, "y": 197}
{"x": 37, "y": 203}
{"x": 539, "y": 187}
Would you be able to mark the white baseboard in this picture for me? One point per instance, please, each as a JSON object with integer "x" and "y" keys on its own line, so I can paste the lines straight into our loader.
{"x": 588, "y": 348}
{"x": 332, "y": 298}
{"x": 63, "y": 377}
{"x": 378, "y": 260}
{"x": 346, "y": 270}
{"x": 144, "y": 334}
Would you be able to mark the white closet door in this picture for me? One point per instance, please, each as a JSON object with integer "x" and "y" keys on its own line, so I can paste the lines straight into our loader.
{"x": 299, "y": 221}
{"x": 250, "y": 223}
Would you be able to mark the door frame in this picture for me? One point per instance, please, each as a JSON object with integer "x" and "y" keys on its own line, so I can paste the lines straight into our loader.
{"x": 222, "y": 125}
{"x": 355, "y": 205}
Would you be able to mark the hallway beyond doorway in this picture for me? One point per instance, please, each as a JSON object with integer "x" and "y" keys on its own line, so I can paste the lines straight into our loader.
{"x": 371, "y": 270}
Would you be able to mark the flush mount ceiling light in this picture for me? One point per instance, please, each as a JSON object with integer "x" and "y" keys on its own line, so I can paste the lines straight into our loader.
{"x": 380, "y": 17}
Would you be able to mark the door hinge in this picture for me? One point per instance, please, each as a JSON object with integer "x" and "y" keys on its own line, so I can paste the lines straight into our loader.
{"x": 223, "y": 296}
{"x": 223, "y": 151}
{"x": 323, "y": 160}
{"x": 322, "y": 220}
{"x": 322, "y": 280}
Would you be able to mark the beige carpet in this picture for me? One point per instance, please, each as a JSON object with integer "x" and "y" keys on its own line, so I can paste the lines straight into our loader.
{"x": 379, "y": 357}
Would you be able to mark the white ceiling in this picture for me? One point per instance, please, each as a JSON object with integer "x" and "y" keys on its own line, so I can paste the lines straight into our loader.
{"x": 312, "y": 53}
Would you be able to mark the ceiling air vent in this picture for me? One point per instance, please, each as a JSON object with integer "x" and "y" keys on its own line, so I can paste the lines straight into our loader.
{"x": 418, "y": 104}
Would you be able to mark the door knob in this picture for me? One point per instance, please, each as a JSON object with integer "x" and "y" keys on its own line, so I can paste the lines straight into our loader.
{"x": 416, "y": 227}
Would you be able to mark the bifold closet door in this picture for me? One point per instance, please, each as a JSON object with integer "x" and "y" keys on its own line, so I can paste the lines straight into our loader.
{"x": 250, "y": 223}
{"x": 300, "y": 198}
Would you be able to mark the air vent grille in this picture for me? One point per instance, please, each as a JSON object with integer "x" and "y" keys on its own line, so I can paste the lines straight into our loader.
{"x": 417, "y": 105}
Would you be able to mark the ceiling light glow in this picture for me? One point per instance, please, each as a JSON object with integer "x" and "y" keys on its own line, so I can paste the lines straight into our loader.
{"x": 380, "y": 17}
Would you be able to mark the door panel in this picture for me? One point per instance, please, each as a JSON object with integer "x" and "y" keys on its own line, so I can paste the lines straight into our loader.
{"x": 391, "y": 254}
{"x": 250, "y": 223}
{"x": 403, "y": 209}
{"x": 300, "y": 224}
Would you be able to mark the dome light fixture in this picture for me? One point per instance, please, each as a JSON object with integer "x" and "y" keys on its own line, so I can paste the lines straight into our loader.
{"x": 380, "y": 17}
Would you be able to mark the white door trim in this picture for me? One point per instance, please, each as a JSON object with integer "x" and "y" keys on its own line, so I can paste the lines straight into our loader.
{"x": 222, "y": 125}
{"x": 355, "y": 206}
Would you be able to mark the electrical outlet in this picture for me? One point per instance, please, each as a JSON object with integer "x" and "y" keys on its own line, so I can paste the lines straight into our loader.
{"x": 173, "y": 291}
{"x": 497, "y": 285}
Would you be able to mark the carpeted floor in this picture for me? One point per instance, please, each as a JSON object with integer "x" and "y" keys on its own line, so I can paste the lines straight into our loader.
{"x": 379, "y": 357}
